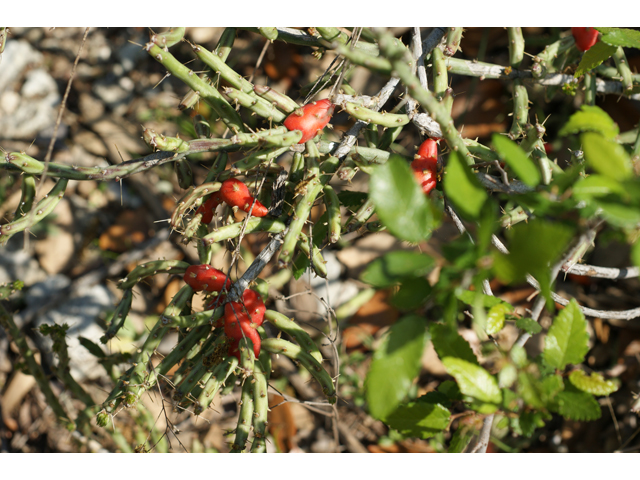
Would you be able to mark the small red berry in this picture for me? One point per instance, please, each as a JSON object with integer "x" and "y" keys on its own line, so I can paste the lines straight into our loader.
{"x": 310, "y": 119}
{"x": 236, "y": 194}
{"x": 250, "y": 310}
{"x": 205, "y": 277}
{"x": 208, "y": 208}
{"x": 425, "y": 165}
{"x": 585, "y": 37}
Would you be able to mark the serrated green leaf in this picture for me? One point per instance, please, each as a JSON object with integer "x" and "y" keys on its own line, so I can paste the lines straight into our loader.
{"x": 591, "y": 119}
{"x": 461, "y": 438}
{"x": 533, "y": 247}
{"x": 529, "y": 325}
{"x": 463, "y": 188}
{"x": 594, "y": 383}
{"x": 527, "y": 423}
{"x": 516, "y": 159}
{"x": 473, "y": 380}
{"x": 448, "y": 343}
{"x": 395, "y": 365}
{"x": 620, "y": 37}
{"x": 574, "y": 404}
{"x": 567, "y": 341}
{"x": 594, "y": 57}
{"x": 399, "y": 201}
{"x": 300, "y": 265}
{"x": 419, "y": 419}
{"x": 495, "y": 318}
{"x": 605, "y": 156}
{"x": 529, "y": 390}
{"x": 412, "y": 294}
{"x": 470, "y": 297}
{"x": 396, "y": 266}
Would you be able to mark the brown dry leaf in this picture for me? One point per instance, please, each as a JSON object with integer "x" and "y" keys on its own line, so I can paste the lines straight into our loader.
{"x": 282, "y": 426}
{"x": 129, "y": 229}
{"x": 172, "y": 288}
{"x": 57, "y": 248}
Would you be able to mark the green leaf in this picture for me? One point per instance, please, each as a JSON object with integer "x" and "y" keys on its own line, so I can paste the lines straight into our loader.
{"x": 470, "y": 297}
{"x": 507, "y": 376}
{"x": 606, "y": 157}
{"x": 574, "y": 404}
{"x": 396, "y": 266}
{"x": 567, "y": 341}
{"x": 463, "y": 188}
{"x": 594, "y": 57}
{"x": 617, "y": 213}
{"x": 529, "y": 390}
{"x": 461, "y": 438}
{"x": 527, "y": 423}
{"x": 495, "y": 318}
{"x": 591, "y": 119}
{"x": 533, "y": 246}
{"x": 635, "y": 253}
{"x": 596, "y": 186}
{"x": 594, "y": 383}
{"x": 395, "y": 365}
{"x": 529, "y": 325}
{"x": 447, "y": 342}
{"x": 300, "y": 265}
{"x": 412, "y": 294}
{"x": 352, "y": 200}
{"x": 400, "y": 203}
{"x": 620, "y": 37}
{"x": 516, "y": 159}
{"x": 473, "y": 380}
{"x": 419, "y": 419}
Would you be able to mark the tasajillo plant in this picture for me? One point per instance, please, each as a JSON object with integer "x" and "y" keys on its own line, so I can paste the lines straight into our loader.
{"x": 522, "y": 216}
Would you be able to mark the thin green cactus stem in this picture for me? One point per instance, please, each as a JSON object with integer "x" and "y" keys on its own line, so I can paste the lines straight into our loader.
{"x": 260, "y": 157}
{"x": 184, "y": 174}
{"x": 371, "y": 116}
{"x": 214, "y": 346}
{"x": 7, "y": 322}
{"x": 245, "y": 417}
{"x": 333, "y": 210}
{"x": 260, "y": 408}
{"x": 454, "y": 35}
{"x": 254, "y": 224}
{"x": 280, "y": 100}
{"x": 318, "y": 263}
{"x": 302, "y": 208}
{"x": 589, "y": 89}
{"x": 332, "y": 34}
{"x": 173, "y": 267}
{"x": 209, "y": 94}
{"x": 28, "y": 196}
{"x": 137, "y": 379}
{"x": 520, "y": 94}
{"x": 622, "y": 65}
{"x": 119, "y": 315}
{"x": 43, "y": 208}
{"x": 218, "y": 167}
{"x": 169, "y": 38}
{"x": 295, "y": 352}
{"x": 270, "y": 33}
{"x": 195, "y": 319}
{"x": 219, "y": 376}
{"x": 388, "y": 137}
{"x": 257, "y": 105}
{"x": 402, "y": 60}
{"x": 440, "y": 76}
{"x": 288, "y": 326}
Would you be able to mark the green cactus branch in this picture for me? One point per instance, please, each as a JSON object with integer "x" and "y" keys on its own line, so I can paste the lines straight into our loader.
{"x": 6, "y": 320}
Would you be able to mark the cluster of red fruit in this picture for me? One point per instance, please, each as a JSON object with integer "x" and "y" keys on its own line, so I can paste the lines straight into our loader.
{"x": 425, "y": 165}
{"x": 235, "y": 194}
{"x": 240, "y": 318}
